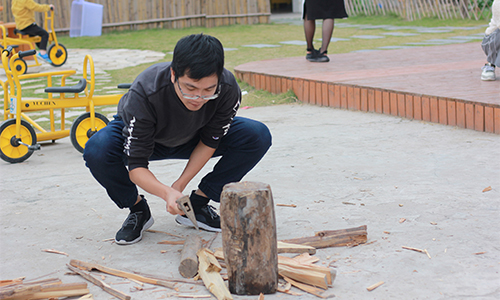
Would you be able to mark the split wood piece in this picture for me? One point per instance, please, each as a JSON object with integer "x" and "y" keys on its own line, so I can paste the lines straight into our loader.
{"x": 166, "y": 242}
{"x": 306, "y": 288}
{"x": 290, "y": 262}
{"x": 315, "y": 278}
{"x": 11, "y": 281}
{"x": 189, "y": 260}
{"x": 295, "y": 248}
{"x": 305, "y": 258}
{"x": 89, "y": 266}
{"x": 333, "y": 238}
{"x": 20, "y": 291}
{"x": 207, "y": 270}
{"x": 38, "y": 291}
{"x": 118, "y": 294}
{"x": 374, "y": 286}
{"x": 248, "y": 225}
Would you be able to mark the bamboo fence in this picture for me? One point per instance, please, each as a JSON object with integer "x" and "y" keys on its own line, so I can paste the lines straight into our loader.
{"x": 142, "y": 14}
{"x": 417, "y": 9}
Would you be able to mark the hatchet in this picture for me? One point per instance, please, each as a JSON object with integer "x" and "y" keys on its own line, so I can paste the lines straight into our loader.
{"x": 184, "y": 204}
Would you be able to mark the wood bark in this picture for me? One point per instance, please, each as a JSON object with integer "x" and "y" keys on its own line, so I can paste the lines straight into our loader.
{"x": 249, "y": 240}
{"x": 333, "y": 238}
{"x": 189, "y": 260}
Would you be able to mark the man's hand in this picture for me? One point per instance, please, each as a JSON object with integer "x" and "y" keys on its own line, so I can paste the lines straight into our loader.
{"x": 172, "y": 206}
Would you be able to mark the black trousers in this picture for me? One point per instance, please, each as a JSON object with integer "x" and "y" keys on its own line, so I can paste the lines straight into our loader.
{"x": 35, "y": 30}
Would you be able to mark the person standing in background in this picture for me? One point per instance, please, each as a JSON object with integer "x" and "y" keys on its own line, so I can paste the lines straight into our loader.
{"x": 327, "y": 10}
{"x": 491, "y": 43}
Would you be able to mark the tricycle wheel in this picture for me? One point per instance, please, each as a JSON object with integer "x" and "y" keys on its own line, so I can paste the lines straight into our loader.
{"x": 81, "y": 130}
{"x": 10, "y": 149}
{"x": 57, "y": 54}
{"x": 20, "y": 66}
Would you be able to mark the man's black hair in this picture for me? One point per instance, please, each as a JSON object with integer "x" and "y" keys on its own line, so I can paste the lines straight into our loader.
{"x": 198, "y": 56}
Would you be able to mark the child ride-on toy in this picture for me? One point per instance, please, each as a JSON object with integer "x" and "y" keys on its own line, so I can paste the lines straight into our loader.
{"x": 18, "y": 138}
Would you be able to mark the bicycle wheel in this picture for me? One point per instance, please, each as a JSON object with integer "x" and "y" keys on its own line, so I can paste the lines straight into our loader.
{"x": 20, "y": 66}
{"x": 81, "y": 131}
{"x": 10, "y": 149}
{"x": 57, "y": 54}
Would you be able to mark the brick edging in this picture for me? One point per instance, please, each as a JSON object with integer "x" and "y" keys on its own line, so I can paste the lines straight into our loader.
{"x": 443, "y": 110}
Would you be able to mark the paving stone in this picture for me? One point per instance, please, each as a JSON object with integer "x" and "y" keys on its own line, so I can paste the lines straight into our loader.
{"x": 297, "y": 43}
{"x": 400, "y": 33}
{"x": 368, "y": 37}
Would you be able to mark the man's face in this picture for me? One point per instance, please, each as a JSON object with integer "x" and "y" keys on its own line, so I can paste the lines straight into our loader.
{"x": 187, "y": 88}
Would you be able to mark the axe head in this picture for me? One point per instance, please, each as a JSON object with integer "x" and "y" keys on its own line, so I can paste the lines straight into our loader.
{"x": 184, "y": 204}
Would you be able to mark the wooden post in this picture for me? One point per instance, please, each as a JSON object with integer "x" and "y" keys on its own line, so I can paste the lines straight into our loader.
{"x": 249, "y": 240}
{"x": 189, "y": 261}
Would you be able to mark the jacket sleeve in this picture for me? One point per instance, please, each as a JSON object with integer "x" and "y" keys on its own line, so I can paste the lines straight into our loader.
{"x": 139, "y": 129}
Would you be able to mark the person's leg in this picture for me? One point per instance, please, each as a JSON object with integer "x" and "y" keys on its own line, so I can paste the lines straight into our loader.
{"x": 491, "y": 47}
{"x": 326, "y": 34}
{"x": 35, "y": 30}
{"x": 107, "y": 162}
{"x": 246, "y": 142}
{"x": 309, "y": 29}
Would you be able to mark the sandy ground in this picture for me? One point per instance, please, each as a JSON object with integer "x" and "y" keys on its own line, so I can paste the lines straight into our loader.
{"x": 340, "y": 168}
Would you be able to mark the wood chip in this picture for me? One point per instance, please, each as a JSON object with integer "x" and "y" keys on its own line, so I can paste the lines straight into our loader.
{"x": 348, "y": 203}
{"x": 54, "y": 251}
{"x": 479, "y": 253}
{"x": 374, "y": 286}
{"x": 418, "y": 250}
{"x": 402, "y": 220}
{"x": 287, "y": 205}
{"x": 434, "y": 223}
{"x": 261, "y": 296}
{"x": 487, "y": 189}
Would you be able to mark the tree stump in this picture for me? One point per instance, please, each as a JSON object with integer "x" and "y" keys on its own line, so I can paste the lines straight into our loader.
{"x": 249, "y": 240}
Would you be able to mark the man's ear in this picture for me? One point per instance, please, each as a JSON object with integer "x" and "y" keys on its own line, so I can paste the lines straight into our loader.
{"x": 172, "y": 76}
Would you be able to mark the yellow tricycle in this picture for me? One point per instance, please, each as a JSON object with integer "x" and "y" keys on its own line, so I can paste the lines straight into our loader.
{"x": 18, "y": 139}
{"x": 55, "y": 50}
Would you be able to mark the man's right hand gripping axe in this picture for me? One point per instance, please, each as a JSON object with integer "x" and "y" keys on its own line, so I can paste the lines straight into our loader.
{"x": 184, "y": 204}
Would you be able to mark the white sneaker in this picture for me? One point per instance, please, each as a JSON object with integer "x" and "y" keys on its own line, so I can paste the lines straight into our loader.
{"x": 488, "y": 72}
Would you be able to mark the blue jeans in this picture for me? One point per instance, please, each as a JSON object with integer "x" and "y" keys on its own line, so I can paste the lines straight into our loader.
{"x": 240, "y": 149}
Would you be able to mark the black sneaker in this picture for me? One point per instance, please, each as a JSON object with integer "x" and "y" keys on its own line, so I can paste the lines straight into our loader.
{"x": 206, "y": 218}
{"x": 133, "y": 227}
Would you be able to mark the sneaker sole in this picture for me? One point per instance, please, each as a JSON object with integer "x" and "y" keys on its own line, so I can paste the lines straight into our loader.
{"x": 146, "y": 226}
{"x": 186, "y": 222}
{"x": 488, "y": 78}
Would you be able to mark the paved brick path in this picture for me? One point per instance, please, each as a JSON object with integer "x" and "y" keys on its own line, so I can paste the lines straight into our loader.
{"x": 438, "y": 84}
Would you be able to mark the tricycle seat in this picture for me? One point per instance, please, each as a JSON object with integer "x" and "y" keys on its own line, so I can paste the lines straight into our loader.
{"x": 79, "y": 87}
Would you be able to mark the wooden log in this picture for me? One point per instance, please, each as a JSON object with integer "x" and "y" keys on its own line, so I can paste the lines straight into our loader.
{"x": 208, "y": 269}
{"x": 249, "y": 240}
{"x": 295, "y": 248}
{"x": 189, "y": 260}
{"x": 333, "y": 238}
